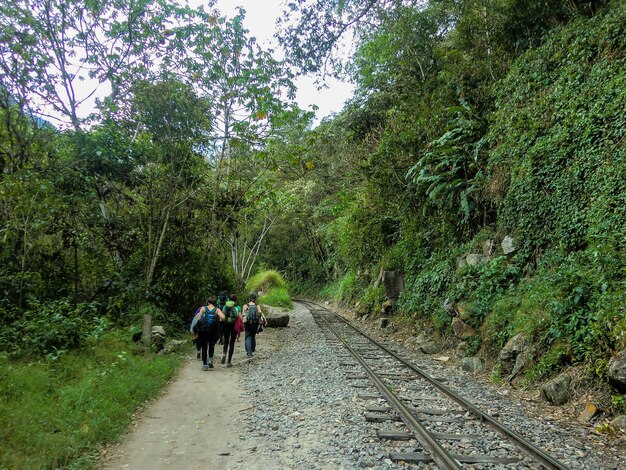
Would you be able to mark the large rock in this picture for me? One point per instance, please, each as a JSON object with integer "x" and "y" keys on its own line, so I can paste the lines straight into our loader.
{"x": 277, "y": 320}
{"x": 517, "y": 344}
{"x": 430, "y": 347}
{"x": 620, "y": 422}
{"x": 390, "y": 329}
{"x": 521, "y": 361}
{"x": 360, "y": 308}
{"x": 510, "y": 352}
{"x": 387, "y": 307}
{"x": 158, "y": 330}
{"x": 421, "y": 338}
{"x": 472, "y": 364}
{"x": 158, "y": 337}
{"x": 393, "y": 281}
{"x": 617, "y": 371}
{"x": 383, "y": 322}
{"x": 172, "y": 346}
{"x": 508, "y": 245}
{"x": 461, "y": 329}
{"x": 558, "y": 390}
{"x": 474, "y": 259}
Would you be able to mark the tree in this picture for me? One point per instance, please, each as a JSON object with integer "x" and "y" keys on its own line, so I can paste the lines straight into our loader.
{"x": 52, "y": 49}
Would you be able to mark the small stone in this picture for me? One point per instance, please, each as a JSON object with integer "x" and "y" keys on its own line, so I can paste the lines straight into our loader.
{"x": 472, "y": 364}
{"x": 620, "y": 422}
{"x": 588, "y": 413}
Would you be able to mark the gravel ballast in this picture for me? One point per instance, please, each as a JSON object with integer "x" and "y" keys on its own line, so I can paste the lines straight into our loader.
{"x": 303, "y": 413}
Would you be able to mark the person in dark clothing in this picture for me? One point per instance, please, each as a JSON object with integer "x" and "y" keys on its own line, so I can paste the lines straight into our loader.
{"x": 205, "y": 324}
{"x": 195, "y": 338}
{"x": 253, "y": 318}
{"x": 222, "y": 298}
{"x": 232, "y": 312}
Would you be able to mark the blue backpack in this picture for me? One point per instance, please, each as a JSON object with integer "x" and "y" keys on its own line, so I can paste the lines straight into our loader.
{"x": 208, "y": 321}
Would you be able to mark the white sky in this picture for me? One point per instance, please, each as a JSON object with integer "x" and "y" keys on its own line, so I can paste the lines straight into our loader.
{"x": 260, "y": 19}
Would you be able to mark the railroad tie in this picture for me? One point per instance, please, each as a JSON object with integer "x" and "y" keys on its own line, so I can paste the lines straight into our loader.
{"x": 421, "y": 457}
{"x": 380, "y": 417}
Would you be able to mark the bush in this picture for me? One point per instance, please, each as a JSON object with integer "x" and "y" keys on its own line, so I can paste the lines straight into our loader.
{"x": 277, "y": 297}
{"x": 52, "y": 328}
{"x": 344, "y": 288}
{"x": 266, "y": 280}
{"x": 273, "y": 287}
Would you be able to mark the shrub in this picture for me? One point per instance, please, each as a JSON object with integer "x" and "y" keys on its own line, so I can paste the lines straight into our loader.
{"x": 345, "y": 288}
{"x": 266, "y": 280}
{"x": 277, "y": 297}
{"x": 52, "y": 328}
{"x": 273, "y": 287}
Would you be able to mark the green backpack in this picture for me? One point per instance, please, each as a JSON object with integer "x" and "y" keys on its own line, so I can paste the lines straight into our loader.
{"x": 231, "y": 313}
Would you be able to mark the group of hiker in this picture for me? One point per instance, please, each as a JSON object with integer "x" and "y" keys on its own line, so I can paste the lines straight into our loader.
{"x": 222, "y": 320}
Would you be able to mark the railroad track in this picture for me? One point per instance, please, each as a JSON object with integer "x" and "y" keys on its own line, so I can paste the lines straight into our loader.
{"x": 413, "y": 406}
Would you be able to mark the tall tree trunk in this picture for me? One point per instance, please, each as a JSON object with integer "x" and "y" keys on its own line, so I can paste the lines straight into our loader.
{"x": 154, "y": 256}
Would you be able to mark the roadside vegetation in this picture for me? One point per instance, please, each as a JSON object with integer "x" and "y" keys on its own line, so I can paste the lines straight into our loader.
{"x": 57, "y": 413}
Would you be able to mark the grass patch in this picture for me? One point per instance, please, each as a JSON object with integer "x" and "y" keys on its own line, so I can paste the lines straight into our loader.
{"x": 277, "y": 297}
{"x": 57, "y": 413}
{"x": 272, "y": 287}
{"x": 266, "y": 280}
{"x": 344, "y": 288}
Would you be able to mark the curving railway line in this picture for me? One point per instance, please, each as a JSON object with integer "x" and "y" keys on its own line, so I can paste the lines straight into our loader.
{"x": 423, "y": 421}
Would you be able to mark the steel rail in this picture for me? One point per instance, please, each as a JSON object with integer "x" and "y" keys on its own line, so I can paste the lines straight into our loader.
{"x": 522, "y": 443}
{"x": 440, "y": 456}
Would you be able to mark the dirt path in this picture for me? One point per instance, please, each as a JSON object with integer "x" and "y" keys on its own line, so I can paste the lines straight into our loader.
{"x": 188, "y": 426}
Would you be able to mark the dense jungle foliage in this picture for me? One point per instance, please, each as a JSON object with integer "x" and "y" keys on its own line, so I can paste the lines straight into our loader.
{"x": 471, "y": 121}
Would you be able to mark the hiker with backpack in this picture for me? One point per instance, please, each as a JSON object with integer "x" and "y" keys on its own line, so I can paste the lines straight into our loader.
{"x": 222, "y": 298}
{"x": 253, "y": 319}
{"x": 205, "y": 324}
{"x": 232, "y": 312}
